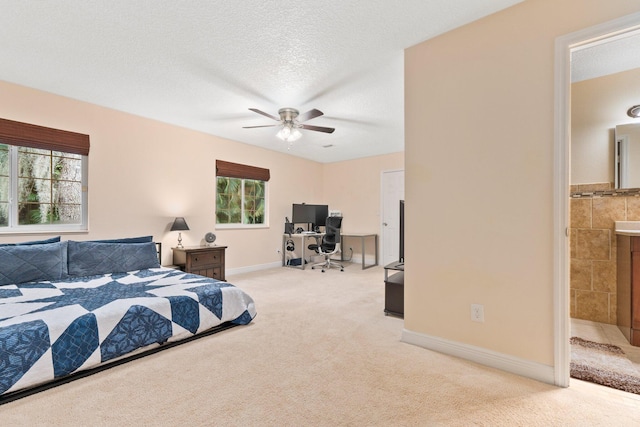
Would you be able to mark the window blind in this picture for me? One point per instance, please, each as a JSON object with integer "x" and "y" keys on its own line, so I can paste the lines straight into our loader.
{"x": 237, "y": 170}
{"x": 34, "y": 136}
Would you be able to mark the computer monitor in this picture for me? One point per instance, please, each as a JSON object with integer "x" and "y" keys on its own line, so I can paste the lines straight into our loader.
{"x": 322, "y": 212}
{"x": 312, "y": 215}
{"x": 303, "y": 214}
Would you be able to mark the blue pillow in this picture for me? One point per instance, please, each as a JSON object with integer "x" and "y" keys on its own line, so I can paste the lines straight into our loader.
{"x": 30, "y": 263}
{"x": 93, "y": 258}
{"x": 143, "y": 239}
{"x": 33, "y": 242}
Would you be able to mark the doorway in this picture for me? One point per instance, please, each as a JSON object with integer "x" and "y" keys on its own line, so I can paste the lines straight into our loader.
{"x": 392, "y": 189}
{"x": 565, "y": 46}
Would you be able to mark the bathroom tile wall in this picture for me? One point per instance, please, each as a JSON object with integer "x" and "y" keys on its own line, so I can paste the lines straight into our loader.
{"x": 594, "y": 210}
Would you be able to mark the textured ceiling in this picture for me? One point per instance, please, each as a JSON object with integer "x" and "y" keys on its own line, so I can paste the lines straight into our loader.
{"x": 203, "y": 64}
{"x": 608, "y": 56}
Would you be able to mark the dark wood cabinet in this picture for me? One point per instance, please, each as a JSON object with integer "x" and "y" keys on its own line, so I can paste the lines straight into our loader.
{"x": 203, "y": 260}
{"x": 628, "y": 291}
{"x": 394, "y": 289}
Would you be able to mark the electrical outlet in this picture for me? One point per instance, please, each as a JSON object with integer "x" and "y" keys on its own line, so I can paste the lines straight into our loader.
{"x": 477, "y": 312}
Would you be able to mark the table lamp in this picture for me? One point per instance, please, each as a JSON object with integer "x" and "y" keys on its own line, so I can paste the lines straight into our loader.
{"x": 178, "y": 225}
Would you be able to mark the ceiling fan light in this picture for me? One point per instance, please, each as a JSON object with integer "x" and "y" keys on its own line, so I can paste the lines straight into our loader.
{"x": 284, "y": 133}
{"x": 295, "y": 135}
{"x": 288, "y": 133}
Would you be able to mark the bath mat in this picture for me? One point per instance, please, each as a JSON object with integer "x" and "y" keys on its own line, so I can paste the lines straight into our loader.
{"x": 604, "y": 364}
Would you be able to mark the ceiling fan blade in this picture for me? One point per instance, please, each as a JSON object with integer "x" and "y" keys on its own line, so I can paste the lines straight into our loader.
{"x": 255, "y": 110}
{"x": 262, "y": 126}
{"x": 317, "y": 128}
{"x": 311, "y": 114}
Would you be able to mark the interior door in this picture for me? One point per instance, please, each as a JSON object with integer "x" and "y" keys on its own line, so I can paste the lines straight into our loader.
{"x": 392, "y": 188}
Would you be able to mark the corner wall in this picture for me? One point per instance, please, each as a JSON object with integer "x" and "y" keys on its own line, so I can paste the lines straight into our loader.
{"x": 479, "y": 117}
{"x": 144, "y": 173}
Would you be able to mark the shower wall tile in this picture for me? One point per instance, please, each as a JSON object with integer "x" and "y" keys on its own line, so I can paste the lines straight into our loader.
{"x": 573, "y": 242}
{"x": 607, "y": 210}
{"x": 581, "y": 213}
{"x": 581, "y": 274}
{"x": 593, "y": 244}
{"x": 604, "y": 276}
{"x": 633, "y": 208}
{"x": 593, "y": 306}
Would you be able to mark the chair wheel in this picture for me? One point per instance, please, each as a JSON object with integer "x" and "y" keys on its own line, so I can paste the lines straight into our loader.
{"x": 323, "y": 270}
{"x": 342, "y": 269}
{"x": 312, "y": 267}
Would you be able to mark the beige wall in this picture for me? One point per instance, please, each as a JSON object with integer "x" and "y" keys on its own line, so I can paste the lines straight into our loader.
{"x": 143, "y": 173}
{"x": 479, "y": 117}
{"x": 597, "y": 106}
{"x": 353, "y": 187}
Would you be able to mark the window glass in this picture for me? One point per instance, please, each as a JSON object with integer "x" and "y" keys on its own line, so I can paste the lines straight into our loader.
{"x": 240, "y": 201}
{"x": 253, "y": 201}
{"x": 48, "y": 187}
{"x": 4, "y": 185}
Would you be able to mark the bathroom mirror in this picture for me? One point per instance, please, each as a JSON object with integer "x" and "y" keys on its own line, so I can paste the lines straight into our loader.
{"x": 627, "y": 156}
{"x": 606, "y": 77}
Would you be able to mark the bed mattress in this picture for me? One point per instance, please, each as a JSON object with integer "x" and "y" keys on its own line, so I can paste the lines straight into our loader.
{"x": 51, "y": 329}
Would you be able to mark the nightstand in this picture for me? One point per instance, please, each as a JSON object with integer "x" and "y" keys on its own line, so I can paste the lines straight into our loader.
{"x": 203, "y": 260}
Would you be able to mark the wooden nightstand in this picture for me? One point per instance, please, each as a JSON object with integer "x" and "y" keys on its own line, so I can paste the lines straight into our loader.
{"x": 203, "y": 260}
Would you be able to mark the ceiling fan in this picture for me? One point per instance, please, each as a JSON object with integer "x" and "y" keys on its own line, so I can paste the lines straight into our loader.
{"x": 291, "y": 123}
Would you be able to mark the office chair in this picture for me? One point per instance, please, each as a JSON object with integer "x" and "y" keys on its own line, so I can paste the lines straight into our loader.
{"x": 330, "y": 244}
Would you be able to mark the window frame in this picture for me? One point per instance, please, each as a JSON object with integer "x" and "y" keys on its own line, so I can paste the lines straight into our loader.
{"x": 243, "y": 172}
{"x": 16, "y": 135}
{"x": 15, "y": 228}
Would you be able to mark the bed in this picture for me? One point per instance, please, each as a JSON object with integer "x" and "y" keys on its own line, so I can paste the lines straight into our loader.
{"x": 68, "y": 309}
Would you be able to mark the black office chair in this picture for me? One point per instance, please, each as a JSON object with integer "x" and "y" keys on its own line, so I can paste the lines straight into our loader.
{"x": 330, "y": 244}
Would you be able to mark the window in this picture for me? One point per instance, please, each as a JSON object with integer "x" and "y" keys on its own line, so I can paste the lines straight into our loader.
{"x": 43, "y": 178}
{"x": 241, "y": 195}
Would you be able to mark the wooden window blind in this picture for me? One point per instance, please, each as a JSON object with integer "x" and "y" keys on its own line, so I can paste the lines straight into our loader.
{"x": 237, "y": 170}
{"x": 34, "y": 136}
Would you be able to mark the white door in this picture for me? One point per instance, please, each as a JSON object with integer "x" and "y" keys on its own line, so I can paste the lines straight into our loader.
{"x": 392, "y": 188}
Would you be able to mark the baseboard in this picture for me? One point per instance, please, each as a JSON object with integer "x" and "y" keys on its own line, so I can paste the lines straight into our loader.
{"x": 504, "y": 362}
{"x": 251, "y": 268}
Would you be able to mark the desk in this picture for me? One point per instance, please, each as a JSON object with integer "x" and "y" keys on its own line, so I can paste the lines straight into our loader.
{"x": 363, "y": 238}
{"x": 300, "y": 243}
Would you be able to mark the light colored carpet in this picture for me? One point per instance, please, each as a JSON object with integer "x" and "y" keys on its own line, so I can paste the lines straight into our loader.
{"x": 319, "y": 353}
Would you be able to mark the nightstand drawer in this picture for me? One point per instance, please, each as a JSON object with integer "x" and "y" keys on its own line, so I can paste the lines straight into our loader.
{"x": 214, "y": 273}
{"x": 205, "y": 259}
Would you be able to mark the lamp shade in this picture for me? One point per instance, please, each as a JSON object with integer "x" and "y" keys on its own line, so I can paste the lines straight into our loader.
{"x": 179, "y": 224}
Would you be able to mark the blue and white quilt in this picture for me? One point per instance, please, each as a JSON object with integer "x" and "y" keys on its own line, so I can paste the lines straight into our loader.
{"x": 51, "y": 329}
